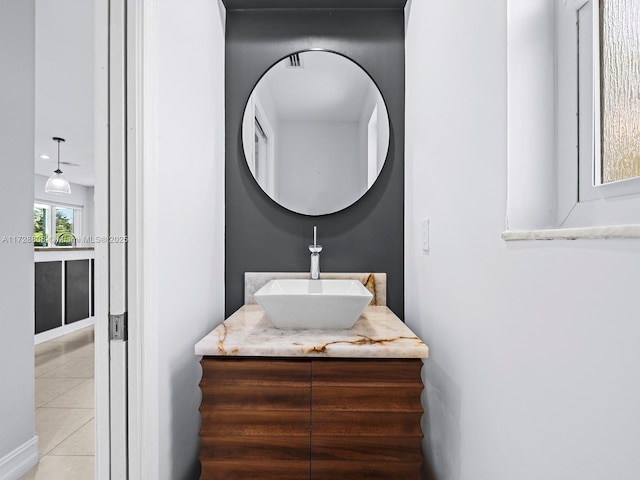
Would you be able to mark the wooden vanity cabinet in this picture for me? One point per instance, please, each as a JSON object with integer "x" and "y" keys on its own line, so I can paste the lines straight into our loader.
{"x": 255, "y": 418}
{"x": 307, "y": 418}
{"x": 365, "y": 418}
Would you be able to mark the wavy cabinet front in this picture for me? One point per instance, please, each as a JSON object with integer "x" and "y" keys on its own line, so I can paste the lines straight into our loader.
{"x": 290, "y": 419}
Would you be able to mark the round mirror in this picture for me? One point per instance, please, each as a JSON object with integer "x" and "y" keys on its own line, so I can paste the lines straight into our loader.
{"x": 315, "y": 132}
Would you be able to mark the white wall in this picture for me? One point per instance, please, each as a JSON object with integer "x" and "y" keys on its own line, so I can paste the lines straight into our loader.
{"x": 189, "y": 233}
{"x": 534, "y": 358}
{"x": 532, "y": 175}
{"x": 308, "y": 154}
{"x": 17, "y": 20}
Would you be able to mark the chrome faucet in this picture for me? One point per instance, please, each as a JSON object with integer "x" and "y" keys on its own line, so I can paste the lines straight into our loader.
{"x": 74, "y": 240}
{"x": 315, "y": 250}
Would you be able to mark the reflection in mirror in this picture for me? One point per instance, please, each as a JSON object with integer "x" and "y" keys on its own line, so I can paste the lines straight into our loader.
{"x": 315, "y": 132}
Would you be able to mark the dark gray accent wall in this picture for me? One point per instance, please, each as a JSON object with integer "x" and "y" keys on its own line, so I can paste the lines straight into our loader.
{"x": 263, "y": 236}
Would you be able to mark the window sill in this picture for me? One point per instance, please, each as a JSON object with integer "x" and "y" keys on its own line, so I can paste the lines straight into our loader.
{"x": 612, "y": 231}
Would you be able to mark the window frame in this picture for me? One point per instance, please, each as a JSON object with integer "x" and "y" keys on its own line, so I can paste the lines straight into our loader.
{"x": 46, "y": 227}
{"x": 581, "y": 201}
{"x": 78, "y": 212}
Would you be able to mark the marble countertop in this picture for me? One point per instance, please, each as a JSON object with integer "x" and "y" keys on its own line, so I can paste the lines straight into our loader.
{"x": 60, "y": 254}
{"x": 378, "y": 333}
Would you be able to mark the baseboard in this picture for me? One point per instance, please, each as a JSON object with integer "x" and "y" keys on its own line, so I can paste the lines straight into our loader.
{"x": 15, "y": 464}
{"x": 62, "y": 330}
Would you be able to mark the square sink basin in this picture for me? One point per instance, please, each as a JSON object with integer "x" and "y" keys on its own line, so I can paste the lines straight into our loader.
{"x": 301, "y": 303}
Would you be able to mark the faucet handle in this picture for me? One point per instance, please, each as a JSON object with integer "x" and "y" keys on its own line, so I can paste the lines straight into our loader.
{"x": 315, "y": 248}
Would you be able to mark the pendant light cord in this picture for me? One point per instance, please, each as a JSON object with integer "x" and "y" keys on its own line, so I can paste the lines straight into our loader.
{"x": 58, "y": 139}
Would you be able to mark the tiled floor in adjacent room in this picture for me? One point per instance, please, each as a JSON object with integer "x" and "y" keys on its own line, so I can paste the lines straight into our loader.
{"x": 64, "y": 401}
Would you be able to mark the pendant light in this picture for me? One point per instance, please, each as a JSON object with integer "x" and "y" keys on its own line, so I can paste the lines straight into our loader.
{"x": 57, "y": 183}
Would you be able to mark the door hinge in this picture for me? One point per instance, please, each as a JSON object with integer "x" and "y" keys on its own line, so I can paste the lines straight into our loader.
{"x": 118, "y": 326}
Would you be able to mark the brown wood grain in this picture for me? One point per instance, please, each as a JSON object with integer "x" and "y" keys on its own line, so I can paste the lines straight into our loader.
{"x": 366, "y": 423}
{"x": 240, "y": 397}
{"x": 255, "y": 470}
{"x": 215, "y": 423}
{"x": 255, "y": 419}
{"x": 366, "y": 419}
{"x": 367, "y": 372}
{"x": 373, "y": 448}
{"x": 375, "y": 399}
{"x": 264, "y": 447}
{"x": 332, "y": 419}
{"x": 365, "y": 470}
{"x": 255, "y": 371}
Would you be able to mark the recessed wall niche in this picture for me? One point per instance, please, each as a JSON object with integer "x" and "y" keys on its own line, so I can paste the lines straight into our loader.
{"x": 260, "y": 235}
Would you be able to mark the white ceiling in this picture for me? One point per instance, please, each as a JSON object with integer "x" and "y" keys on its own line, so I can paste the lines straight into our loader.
{"x": 65, "y": 88}
{"x": 334, "y": 88}
{"x": 329, "y": 87}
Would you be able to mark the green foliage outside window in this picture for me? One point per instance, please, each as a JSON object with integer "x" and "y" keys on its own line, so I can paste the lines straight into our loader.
{"x": 64, "y": 224}
{"x": 43, "y": 236}
{"x": 40, "y": 235}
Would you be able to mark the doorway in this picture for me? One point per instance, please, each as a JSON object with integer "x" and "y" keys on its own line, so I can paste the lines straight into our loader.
{"x": 81, "y": 98}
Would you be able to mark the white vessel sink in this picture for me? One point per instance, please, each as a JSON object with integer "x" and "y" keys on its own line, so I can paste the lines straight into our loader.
{"x": 297, "y": 303}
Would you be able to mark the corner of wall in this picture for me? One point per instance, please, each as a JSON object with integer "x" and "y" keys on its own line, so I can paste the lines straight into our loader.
{"x": 18, "y": 462}
{"x": 531, "y": 165}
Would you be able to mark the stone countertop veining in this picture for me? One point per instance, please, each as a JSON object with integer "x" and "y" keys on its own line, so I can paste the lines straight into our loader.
{"x": 378, "y": 333}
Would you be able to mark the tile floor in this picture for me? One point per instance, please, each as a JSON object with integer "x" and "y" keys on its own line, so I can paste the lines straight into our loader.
{"x": 65, "y": 423}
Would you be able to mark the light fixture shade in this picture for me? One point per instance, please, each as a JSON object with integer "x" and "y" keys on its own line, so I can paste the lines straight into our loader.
{"x": 57, "y": 184}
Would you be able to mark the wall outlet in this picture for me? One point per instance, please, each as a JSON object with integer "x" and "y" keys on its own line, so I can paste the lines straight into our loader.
{"x": 424, "y": 229}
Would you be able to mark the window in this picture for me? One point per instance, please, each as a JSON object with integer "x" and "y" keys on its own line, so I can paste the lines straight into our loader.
{"x": 598, "y": 66}
{"x": 553, "y": 94}
{"x": 56, "y": 225}
{"x": 41, "y": 225}
{"x": 64, "y": 227}
{"x": 619, "y": 90}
